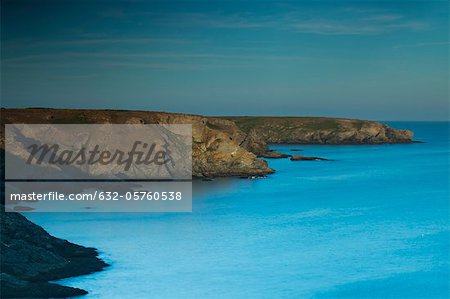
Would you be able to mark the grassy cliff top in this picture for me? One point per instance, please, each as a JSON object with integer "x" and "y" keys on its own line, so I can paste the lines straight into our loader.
{"x": 246, "y": 123}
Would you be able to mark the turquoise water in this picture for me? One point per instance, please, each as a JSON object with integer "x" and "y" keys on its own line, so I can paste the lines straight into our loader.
{"x": 373, "y": 223}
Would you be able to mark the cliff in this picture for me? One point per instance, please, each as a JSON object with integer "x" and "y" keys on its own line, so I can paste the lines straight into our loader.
{"x": 30, "y": 257}
{"x": 216, "y": 146}
{"x": 228, "y": 146}
{"x": 317, "y": 130}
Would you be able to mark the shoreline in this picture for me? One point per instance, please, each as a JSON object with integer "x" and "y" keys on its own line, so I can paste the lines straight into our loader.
{"x": 226, "y": 146}
{"x": 46, "y": 284}
{"x": 241, "y": 139}
{"x": 32, "y": 260}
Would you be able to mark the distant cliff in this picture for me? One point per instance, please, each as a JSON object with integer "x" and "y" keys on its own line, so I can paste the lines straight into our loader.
{"x": 216, "y": 146}
{"x": 228, "y": 146}
{"x": 317, "y": 130}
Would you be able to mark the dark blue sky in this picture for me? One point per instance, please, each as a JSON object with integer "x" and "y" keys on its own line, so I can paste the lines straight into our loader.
{"x": 384, "y": 60}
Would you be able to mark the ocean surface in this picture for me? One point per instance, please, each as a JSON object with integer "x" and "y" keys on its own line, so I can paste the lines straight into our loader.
{"x": 373, "y": 223}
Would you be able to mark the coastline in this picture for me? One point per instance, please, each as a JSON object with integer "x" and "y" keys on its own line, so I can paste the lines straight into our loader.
{"x": 32, "y": 258}
{"x": 226, "y": 146}
{"x": 58, "y": 259}
{"x": 305, "y": 220}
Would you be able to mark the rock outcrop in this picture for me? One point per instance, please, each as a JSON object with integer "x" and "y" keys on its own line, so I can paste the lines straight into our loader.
{"x": 274, "y": 155}
{"x": 317, "y": 130}
{"x": 30, "y": 258}
{"x": 307, "y": 158}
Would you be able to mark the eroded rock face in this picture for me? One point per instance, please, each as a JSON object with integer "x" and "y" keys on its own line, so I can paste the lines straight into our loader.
{"x": 217, "y": 144}
{"x": 307, "y": 130}
{"x": 228, "y": 146}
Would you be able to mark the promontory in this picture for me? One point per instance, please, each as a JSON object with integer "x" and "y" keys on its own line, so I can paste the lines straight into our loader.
{"x": 227, "y": 146}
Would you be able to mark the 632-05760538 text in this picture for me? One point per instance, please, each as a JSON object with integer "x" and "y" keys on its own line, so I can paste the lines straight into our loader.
{"x": 98, "y": 195}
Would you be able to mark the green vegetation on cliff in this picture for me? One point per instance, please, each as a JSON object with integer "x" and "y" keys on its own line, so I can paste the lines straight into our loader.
{"x": 319, "y": 130}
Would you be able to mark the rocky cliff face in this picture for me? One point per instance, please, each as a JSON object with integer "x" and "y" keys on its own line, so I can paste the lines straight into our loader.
{"x": 30, "y": 257}
{"x": 310, "y": 130}
{"x": 227, "y": 146}
{"x": 216, "y": 146}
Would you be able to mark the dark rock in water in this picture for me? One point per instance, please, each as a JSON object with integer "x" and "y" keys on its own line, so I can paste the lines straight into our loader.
{"x": 274, "y": 155}
{"x": 30, "y": 258}
{"x": 12, "y": 287}
{"x": 306, "y": 158}
{"x": 296, "y": 150}
{"x": 23, "y": 209}
{"x": 254, "y": 177}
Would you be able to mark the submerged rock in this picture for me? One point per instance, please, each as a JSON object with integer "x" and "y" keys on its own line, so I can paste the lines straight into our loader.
{"x": 254, "y": 177}
{"x": 306, "y": 158}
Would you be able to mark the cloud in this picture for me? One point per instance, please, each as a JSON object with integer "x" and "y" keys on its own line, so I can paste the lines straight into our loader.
{"x": 332, "y": 28}
{"x": 139, "y": 57}
{"x": 348, "y": 22}
{"x": 355, "y": 21}
{"x": 120, "y": 13}
{"x": 145, "y": 60}
{"x": 124, "y": 64}
{"x": 357, "y": 27}
{"x": 419, "y": 45}
{"x": 103, "y": 41}
{"x": 384, "y": 17}
{"x": 212, "y": 19}
{"x": 230, "y": 21}
{"x": 84, "y": 41}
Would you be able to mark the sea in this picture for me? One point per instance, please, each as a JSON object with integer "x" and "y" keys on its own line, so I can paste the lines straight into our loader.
{"x": 371, "y": 223}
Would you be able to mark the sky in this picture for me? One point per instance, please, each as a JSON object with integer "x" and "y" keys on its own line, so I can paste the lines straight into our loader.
{"x": 380, "y": 60}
